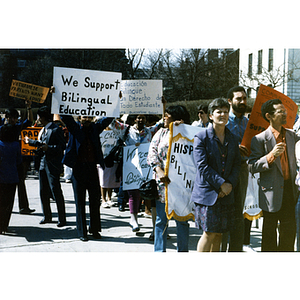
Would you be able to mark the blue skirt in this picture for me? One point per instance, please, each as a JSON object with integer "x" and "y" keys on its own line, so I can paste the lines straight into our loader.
{"x": 217, "y": 218}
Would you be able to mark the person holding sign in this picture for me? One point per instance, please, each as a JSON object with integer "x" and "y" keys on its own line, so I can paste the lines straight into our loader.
{"x": 83, "y": 153}
{"x": 138, "y": 133}
{"x": 218, "y": 160}
{"x": 273, "y": 156}
{"x": 157, "y": 158}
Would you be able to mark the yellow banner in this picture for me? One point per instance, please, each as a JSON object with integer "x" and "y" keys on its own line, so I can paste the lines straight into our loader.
{"x": 28, "y": 91}
{"x": 32, "y": 133}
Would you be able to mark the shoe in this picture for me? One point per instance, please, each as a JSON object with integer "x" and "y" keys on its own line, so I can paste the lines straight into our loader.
{"x": 26, "y": 211}
{"x": 44, "y": 221}
{"x": 135, "y": 229}
{"x": 105, "y": 205}
{"x": 61, "y": 224}
{"x": 83, "y": 238}
{"x": 96, "y": 235}
{"x": 121, "y": 208}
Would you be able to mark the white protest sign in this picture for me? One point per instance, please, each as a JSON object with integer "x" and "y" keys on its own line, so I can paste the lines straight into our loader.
{"x": 86, "y": 92}
{"x": 141, "y": 97}
{"x": 108, "y": 140}
{"x": 135, "y": 166}
{"x": 181, "y": 170}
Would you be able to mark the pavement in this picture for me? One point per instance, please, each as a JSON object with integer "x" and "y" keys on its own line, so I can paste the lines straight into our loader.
{"x": 25, "y": 234}
{"x": 44, "y": 261}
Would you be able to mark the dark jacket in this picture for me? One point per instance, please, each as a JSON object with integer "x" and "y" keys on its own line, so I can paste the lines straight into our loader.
{"x": 10, "y": 158}
{"x": 77, "y": 137}
{"x": 20, "y": 125}
{"x": 52, "y": 158}
{"x": 209, "y": 167}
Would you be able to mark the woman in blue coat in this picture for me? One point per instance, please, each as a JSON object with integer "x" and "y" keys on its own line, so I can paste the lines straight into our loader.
{"x": 217, "y": 157}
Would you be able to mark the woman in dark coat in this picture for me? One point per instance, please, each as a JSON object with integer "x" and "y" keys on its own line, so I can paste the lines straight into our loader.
{"x": 217, "y": 157}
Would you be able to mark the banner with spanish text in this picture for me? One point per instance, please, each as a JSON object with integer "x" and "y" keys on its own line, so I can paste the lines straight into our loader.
{"x": 181, "y": 170}
{"x": 141, "y": 97}
{"x": 257, "y": 123}
{"x": 28, "y": 91}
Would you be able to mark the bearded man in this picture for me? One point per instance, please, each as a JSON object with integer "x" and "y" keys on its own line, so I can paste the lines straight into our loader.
{"x": 237, "y": 124}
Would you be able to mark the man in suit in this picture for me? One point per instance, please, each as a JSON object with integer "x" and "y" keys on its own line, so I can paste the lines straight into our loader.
{"x": 83, "y": 153}
{"x": 51, "y": 144}
{"x": 273, "y": 156}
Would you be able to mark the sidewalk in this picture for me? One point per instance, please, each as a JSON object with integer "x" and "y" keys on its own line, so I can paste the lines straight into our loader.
{"x": 27, "y": 235}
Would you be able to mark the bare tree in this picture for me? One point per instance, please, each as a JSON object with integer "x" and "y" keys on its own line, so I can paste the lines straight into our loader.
{"x": 274, "y": 78}
{"x": 135, "y": 57}
{"x": 154, "y": 62}
{"x": 187, "y": 74}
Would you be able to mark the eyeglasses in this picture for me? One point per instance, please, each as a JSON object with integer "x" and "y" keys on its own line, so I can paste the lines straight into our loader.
{"x": 201, "y": 112}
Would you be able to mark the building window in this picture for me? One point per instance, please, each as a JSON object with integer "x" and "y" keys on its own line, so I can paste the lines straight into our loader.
{"x": 270, "y": 65}
{"x": 259, "y": 62}
{"x": 250, "y": 59}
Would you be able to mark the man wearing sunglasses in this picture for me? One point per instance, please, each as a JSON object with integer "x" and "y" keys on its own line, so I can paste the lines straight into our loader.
{"x": 203, "y": 118}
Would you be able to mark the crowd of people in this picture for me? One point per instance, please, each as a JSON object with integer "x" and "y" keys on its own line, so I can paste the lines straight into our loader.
{"x": 222, "y": 171}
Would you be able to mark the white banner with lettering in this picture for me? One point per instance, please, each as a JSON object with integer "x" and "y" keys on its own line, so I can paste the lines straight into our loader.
{"x": 135, "y": 166}
{"x": 141, "y": 97}
{"x": 181, "y": 170}
{"x": 108, "y": 140}
{"x": 86, "y": 92}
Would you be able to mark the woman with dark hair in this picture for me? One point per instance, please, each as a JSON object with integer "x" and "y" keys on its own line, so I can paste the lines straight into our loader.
{"x": 157, "y": 157}
{"x": 218, "y": 160}
{"x": 135, "y": 135}
{"x": 10, "y": 158}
